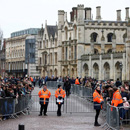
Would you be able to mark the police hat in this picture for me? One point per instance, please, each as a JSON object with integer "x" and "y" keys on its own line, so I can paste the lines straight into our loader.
{"x": 59, "y": 86}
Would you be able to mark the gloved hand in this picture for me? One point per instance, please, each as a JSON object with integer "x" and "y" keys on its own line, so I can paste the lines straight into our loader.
{"x": 102, "y": 102}
{"x": 59, "y": 97}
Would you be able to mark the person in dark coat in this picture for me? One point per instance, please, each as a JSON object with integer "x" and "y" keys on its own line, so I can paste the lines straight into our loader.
{"x": 67, "y": 86}
{"x": 118, "y": 83}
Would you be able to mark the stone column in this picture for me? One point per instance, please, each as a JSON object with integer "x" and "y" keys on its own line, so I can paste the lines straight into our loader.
{"x": 124, "y": 67}
{"x": 102, "y": 42}
{"x": 112, "y": 68}
{"x": 92, "y": 48}
{"x": 114, "y": 42}
{"x": 128, "y": 52}
{"x": 100, "y": 68}
{"x": 90, "y": 66}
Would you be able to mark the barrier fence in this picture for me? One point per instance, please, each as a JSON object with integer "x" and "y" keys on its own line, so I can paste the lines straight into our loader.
{"x": 52, "y": 107}
{"x": 81, "y": 101}
{"x": 78, "y": 102}
{"x": 112, "y": 117}
{"x": 13, "y": 106}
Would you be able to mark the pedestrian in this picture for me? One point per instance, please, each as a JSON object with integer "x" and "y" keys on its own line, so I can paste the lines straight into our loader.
{"x": 67, "y": 86}
{"x": 77, "y": 81}
{"x": 60, "y": 95}
{"x": 117, "y": 101}
{"x": 39, "y": 82}
{"x": 98, "y": 101}
{"x": 44, "y": 96}
{"x": 34, "y": 81}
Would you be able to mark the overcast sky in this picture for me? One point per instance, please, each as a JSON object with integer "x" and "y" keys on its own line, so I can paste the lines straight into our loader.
{"x": 17, "y": 15}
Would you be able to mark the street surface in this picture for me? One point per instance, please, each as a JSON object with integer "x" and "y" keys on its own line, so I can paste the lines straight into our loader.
{"x": 73, "y": 121}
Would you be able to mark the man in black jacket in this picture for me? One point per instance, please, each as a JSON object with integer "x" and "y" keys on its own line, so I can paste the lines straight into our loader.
{"x": 67, "y": 86}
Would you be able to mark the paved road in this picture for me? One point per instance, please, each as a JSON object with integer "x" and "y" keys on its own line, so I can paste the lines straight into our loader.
{"x": 74, "y": 121}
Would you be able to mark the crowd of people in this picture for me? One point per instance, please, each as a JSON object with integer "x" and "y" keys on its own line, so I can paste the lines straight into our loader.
{"x": 10, "y": 89}
{"x": 115, "y": 93}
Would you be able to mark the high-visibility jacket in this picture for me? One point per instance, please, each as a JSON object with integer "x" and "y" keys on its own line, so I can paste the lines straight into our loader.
{"x": 97, "y": 99}
{"x": 31, "y": 79}
{"x": 117, "y": 99}
{"x": 77, "y": 82}
{"x": 61, "y": 93}
{"x": 44, "y": 96}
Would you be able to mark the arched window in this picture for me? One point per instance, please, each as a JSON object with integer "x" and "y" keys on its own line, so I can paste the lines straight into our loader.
{"x": 75, "y": 31}
{"x": 45, "y": 59}
{"x": 124, "y": 37}
{"x": 94, "y": 37}
{"x": 106, "y": 71}
{"x": 86, "y": 70}
{"x": 96, "y": 51}
{"x": 109, "y": 51}
{"x": 109, "y": 37}
{"x": 95, "y": 71}
{"x": 66, "y": 33}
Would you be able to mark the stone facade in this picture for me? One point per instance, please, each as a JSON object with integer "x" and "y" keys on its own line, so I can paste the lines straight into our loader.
{"x": 87, "y": 47}
{"x": 2, "y": 61}
{"x": 48, "y": 51}
{"x": 15, "y": 52}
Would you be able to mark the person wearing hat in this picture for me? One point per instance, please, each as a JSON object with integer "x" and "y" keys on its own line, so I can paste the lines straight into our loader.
{"x": 60, "y": 95}
{"x": 44, "y": 96}
{"x": 98, "y": 101}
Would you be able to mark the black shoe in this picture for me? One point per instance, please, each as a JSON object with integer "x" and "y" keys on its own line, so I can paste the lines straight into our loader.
{"x": 45, "y": 114}
{"x": 96, "y": 124}
{"x": 40, "y": 115}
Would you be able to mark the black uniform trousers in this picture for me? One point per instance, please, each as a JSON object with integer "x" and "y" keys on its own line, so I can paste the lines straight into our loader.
{"x": 59, "y": 109}
{"x": 43, "y": 106}
{"x": 96, "y": 116}
{"x": 67, "y": 92}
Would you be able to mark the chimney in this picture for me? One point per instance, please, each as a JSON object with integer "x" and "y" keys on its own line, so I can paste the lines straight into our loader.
{"x": 65, "y": 16}
{"x": 60, "y": 18}
{"x": 80, "y": 14}
{"x": 98, "y": 11}
{"x": 118, "y": 15}
{"x": 127, "y": 14}
{"x": 88, "y": 13}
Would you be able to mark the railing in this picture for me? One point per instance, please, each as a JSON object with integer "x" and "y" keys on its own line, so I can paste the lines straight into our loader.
{"x": 54, "y": 84}
{"x": 52, "y": 107}
{"x": 112, "y": 118}
{"x": 11, "y": 107}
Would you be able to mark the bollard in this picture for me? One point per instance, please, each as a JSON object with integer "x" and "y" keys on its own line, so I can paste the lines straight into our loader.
{"x": 21, "y": 127}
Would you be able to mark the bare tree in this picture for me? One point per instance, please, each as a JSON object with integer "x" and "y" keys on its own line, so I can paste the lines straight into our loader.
{"x": 1, "y": 39}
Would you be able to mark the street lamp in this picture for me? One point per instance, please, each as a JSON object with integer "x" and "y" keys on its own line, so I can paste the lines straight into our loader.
{"x": 28, "y": 63}
{"x": 121, "y": 66}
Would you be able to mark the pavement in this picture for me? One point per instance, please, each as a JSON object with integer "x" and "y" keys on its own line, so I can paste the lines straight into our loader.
{"x": 73, "y": 121}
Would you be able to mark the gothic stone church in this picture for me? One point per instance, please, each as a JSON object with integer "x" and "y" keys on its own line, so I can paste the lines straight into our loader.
{"x": 86, "y": 47}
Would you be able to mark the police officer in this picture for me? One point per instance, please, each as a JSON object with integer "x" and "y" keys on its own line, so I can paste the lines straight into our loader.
{"x": 44, "y": 96}
{"x": 60, "y": 95}
{"x": 98, "y": 101}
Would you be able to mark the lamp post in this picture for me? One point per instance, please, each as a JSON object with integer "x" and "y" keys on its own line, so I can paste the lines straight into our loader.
{"x": 121, "y": 66}
{"x": 28, "y": 63}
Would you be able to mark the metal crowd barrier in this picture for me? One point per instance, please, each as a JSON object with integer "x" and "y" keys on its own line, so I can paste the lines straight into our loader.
{"x": 12, "y": 106}
{"x": 76, "y": 104}
{"x": 52, "y": 107}
{"x": 116, "y": 117}
{"x": 82, "y": 91}
{"x": 112, "y": 118}
{"x": 54, "y": 84}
